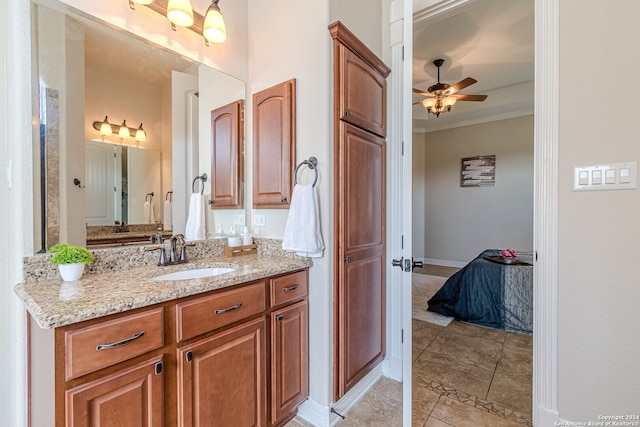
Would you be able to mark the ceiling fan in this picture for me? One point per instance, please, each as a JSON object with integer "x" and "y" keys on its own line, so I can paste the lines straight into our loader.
{"x": 442, "y": 96}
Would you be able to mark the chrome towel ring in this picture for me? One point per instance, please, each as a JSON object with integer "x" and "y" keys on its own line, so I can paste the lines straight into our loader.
{"x": 312, "y": 163}
{"x": 202, "y": 178}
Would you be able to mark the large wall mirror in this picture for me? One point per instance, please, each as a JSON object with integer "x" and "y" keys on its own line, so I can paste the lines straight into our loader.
{"x": 87, "y": 71}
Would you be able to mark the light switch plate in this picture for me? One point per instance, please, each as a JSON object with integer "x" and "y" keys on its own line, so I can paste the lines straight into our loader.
{"x": 259, "y": 220}
{"x": 612, "y": 176}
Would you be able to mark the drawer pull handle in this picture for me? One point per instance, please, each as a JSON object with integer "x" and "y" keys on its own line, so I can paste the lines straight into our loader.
{"x": 280, "y": 318}
{"x": 292, "y": 288}
{"x": 226, "y": 310}
{"x": 120, "y": 343}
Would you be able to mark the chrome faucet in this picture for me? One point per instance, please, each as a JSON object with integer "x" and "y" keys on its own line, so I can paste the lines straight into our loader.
{"x": 174, "y": 257}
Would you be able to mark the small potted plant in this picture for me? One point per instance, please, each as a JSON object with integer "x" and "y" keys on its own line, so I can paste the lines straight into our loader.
{"x": 70, "y": 260}
{"x": 509, "y": 255}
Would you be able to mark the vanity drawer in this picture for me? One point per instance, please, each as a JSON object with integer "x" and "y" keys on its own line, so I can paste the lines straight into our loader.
{"x": 288, "y": 288}
{"x": 201, "y": 315}
{"x": 106, "y": 343}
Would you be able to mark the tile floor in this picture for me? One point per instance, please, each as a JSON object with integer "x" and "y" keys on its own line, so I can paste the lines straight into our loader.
{"x": 463, "y": 376}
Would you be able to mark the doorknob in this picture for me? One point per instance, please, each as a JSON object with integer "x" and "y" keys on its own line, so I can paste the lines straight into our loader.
{"x": 416, "y": 264}
{"x": 397, "y": 262}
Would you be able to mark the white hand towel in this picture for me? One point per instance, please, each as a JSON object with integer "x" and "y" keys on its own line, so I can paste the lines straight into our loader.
{"x": 149, "y": 213}
{"x": 194, "y": 229}
{"x": 302, "y": 231}
{"x": 167, "y": 217}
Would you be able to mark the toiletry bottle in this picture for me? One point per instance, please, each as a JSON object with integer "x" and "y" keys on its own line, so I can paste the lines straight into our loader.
{"x": 247, "y": 239}
{"x": 234, "y": 239}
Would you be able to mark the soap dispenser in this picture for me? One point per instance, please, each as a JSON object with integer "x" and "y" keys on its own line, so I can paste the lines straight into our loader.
{"x": 234, "y": 239}
{"x": 247, "y": 239}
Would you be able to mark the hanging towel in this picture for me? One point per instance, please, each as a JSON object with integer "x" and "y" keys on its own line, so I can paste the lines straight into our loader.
{"x": 167, "y": 217}
{"x": 149, "y": 213}
{"x": 195, "y": 221}
{"x": 302, "y": 231}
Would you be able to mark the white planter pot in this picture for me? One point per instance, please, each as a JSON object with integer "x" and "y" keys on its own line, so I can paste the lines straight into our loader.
{"x": 71, "y": 272}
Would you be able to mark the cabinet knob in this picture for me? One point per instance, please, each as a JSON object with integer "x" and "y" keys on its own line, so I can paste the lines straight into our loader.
{"x": 280, "y": 318}
{"x": 283, "y": 199}
{"x": 347, "y": 113}
{"x": 188, "y": 356}
{"x": 158, "y": 368}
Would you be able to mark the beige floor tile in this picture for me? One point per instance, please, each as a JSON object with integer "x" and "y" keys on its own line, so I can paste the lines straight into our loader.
{"x": 469, "y": 329}
{"x": 513, "y": 340}
{"x": 373, "y": 411}
{"x": 415, "y": 353}
{"x": 471, "y": 350}
{"x": 512, "y": 393}
{"x": 434, "y": 422}
{"x": 470, "y": 379}
{"x": 516, "y": 362}
{"x": 298, "y": 422}
{"x": 418, "y": 419}
{"x": 387, "y": 388}
{"x": 423, "y": 398}
{"x": 459, "y": 414}
{"x": 424, "y": 333}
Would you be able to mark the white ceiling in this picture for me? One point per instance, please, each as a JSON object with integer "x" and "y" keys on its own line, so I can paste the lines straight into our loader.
{"x": 489, "y": 40}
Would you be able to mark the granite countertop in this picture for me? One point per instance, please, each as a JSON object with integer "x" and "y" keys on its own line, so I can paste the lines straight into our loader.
{"x": 54, "y": 303}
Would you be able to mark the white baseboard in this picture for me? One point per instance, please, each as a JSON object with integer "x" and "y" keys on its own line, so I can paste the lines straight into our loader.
{"x": 321, "y": 416}
{"x": 544, "y": 417}
{"x": 392, "y": 368}
{"x": 444, "y": 263}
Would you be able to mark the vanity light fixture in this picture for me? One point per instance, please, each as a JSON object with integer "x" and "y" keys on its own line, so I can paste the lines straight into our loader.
{"x": 104, "y": 127}
{"x": 214, "y": 29}
{"x": 179, "y": 12}
{"x": 124, "y": 131}
{"x": 141, "y": 135}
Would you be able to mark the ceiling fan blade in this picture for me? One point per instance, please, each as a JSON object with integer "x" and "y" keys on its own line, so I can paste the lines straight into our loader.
{"x": 471, "y": 97}
{"x": 460, "y": 85}
{"x": 421, "y": 92}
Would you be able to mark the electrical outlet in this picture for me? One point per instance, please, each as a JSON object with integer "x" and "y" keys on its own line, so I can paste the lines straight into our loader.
{"x": 238, "y": 220}
{"x": 259, "y": 221}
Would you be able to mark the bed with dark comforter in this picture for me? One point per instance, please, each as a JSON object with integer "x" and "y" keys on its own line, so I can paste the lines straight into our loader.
{"x": 489, "y": 294}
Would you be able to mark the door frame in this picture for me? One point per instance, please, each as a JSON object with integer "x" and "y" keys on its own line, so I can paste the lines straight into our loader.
{"x": 545, "y": 229}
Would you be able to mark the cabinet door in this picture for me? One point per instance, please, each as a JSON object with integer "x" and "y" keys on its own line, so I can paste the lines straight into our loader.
{"x": 132, "y": 397}
{"x": 221, "y": 379}
{"x": 363, "y": 93}
{"x": 274, "y": 145}
{"x": 227, "y": 168}
{"x": 289, "y": 360}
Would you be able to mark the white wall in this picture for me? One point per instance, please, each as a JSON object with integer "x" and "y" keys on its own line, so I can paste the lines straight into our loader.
{"x": 278, "y": 52}
{"x": 419, "y": 171}
{"x": 598, "y": 292}
{"x": 459, "y": 223}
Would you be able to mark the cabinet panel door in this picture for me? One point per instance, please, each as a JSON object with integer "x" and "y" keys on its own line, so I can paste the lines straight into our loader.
{"x": 363, "y": 93}
{"x": 221, "y": 379}
{"x": 227, "y": 168}
{"x": 289, "y": 360}
{"x": 132, "y": 397}
{"x": 274, "y": 145}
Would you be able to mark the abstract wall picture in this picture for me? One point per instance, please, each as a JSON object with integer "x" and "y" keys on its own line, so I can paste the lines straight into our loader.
{"x": 479, "y": 171}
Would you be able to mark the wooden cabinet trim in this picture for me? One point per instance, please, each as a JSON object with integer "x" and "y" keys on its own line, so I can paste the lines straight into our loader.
{"x": 288, "y": 288}
{"x": 344, "y": 36}
{"x": 227, "y": 160}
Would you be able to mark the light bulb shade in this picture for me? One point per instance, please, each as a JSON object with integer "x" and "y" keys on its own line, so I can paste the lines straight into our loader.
{"x": 141, "y": 135}
{"x": 449, "y": 101}
{"x": 429, "y": 103}
{"x": 105, "y": 127}
{"x": 214, "y": 29}
{"x": 124, "y": 131}
{"x": 180, "y": 12}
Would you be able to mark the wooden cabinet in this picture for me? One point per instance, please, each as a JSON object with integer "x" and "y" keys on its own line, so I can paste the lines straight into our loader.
{"x": 227, "y": 169}
{"x": 274, "y": 142}
{"x": 129, "y": 397}
{"x": 232, "y": 357}
{"x": 289, "y": 360}
{"x": 222, "y": 379}
{"x": 359, "y": 199}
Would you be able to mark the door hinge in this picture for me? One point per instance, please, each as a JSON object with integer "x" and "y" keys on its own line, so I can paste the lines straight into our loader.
{"x": 402, "y": 242}
{"x": 402, "y": 148}
{"x": 402, "y": 336}
{"x": 347, "y": 259}
{"x": 403, "y": 52}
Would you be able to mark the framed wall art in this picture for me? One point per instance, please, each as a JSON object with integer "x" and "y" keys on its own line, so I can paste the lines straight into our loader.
{"x": 479, "y": 171}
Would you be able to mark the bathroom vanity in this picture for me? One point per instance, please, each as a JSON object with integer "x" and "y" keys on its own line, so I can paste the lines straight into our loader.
{"x": 225, "y": 350}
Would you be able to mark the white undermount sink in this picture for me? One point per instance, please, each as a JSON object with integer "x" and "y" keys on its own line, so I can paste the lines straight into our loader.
{"x": 197, "y": 273}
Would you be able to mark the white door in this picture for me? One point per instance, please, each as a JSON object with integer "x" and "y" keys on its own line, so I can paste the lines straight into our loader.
{"x": 102, "y": 163}
{"x": 399, "y": 179}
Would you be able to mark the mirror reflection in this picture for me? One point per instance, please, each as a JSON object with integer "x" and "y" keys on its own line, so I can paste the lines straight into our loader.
{"x": 89, "y": 72}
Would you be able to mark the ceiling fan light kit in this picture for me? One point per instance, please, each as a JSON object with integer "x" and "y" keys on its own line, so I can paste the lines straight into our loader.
{"x": 442, "y": 96}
